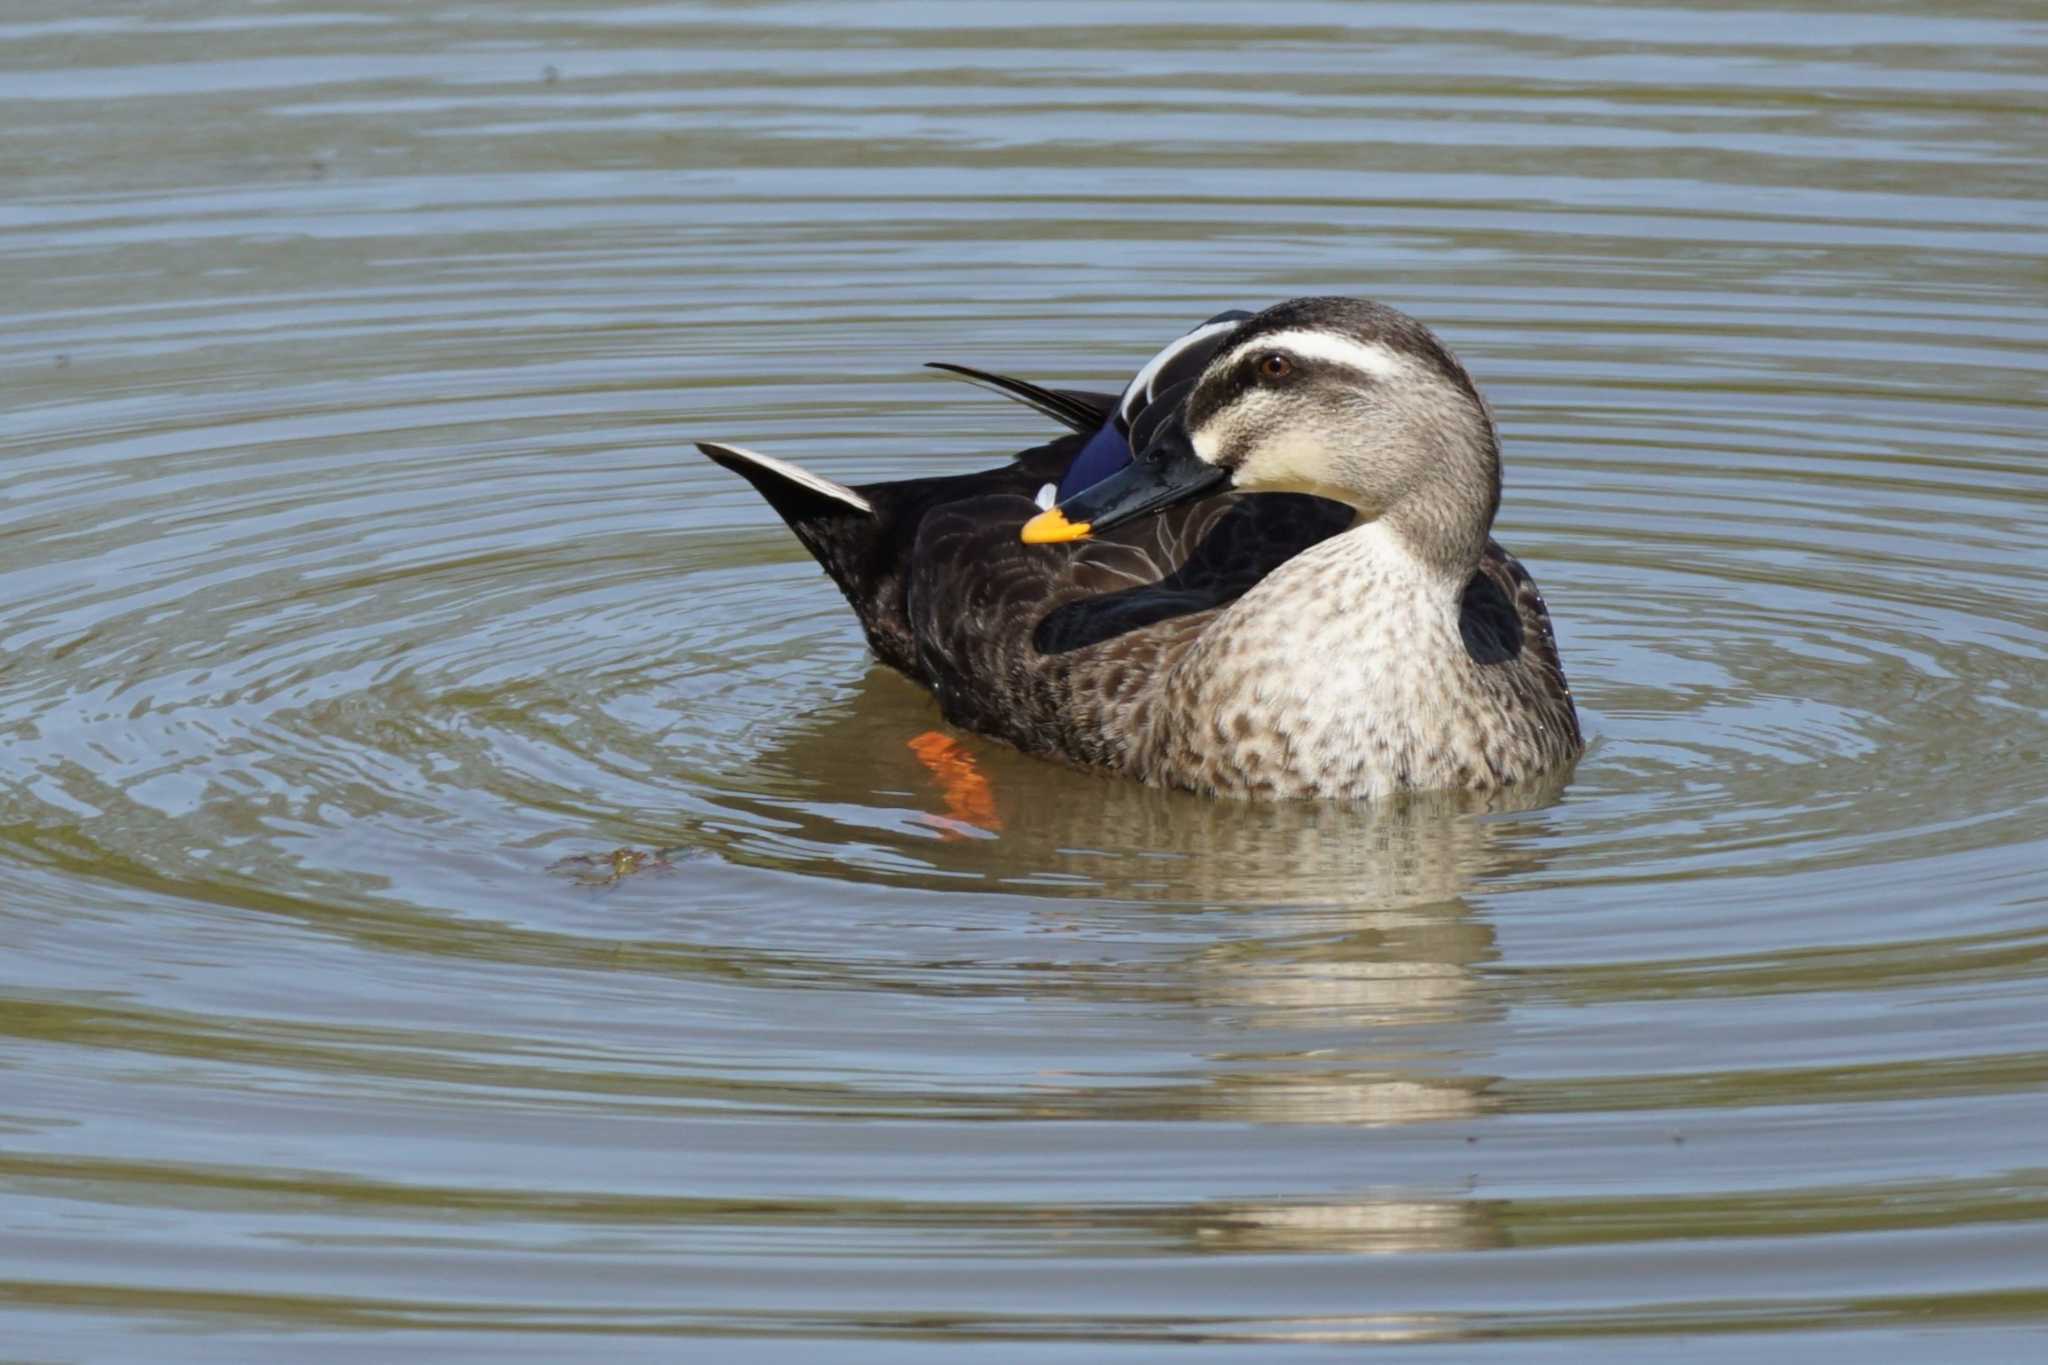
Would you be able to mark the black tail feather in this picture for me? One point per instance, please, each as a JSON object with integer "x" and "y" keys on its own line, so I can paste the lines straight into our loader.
{"x": 852, "y": 533}
{"x": 1071, "y": 408}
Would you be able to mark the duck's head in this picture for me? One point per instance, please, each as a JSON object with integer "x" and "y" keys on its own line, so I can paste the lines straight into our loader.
{"x": 1340, "y": 398}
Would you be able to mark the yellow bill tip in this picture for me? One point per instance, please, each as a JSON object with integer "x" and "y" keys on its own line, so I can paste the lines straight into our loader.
{"x": 1051, "y": 527}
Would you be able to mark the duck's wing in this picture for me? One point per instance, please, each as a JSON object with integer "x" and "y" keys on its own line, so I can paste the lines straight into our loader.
{"x": 1205, "y": 558}
{"x": 1181, "y": 360}
{"x": 1506, "y": 628}
{"x": 952, "y": 533}
{"x": 1075, "y": 409}
{"x": 1043, "y": 644}
{"x": 1087, "y": 413}
{"x": 1108, "y": 421}
{"x": 1159, "y": 388}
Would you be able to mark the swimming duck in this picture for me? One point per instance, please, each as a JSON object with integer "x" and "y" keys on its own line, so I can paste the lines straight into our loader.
{"x": 1349, "y": 630}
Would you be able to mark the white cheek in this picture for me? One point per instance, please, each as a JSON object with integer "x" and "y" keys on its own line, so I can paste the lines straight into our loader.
{"x": 1278, "y": 455}
{"x": 1293, "y": 464}
{"x": 1300, "y": 463}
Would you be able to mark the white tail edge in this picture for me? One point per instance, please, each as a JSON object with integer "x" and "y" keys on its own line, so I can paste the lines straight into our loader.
{"x": 796, "y": 474}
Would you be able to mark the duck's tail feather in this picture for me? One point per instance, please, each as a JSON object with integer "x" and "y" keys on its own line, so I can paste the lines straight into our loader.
{"x": 854, "y": 534}
{"x": 1071, "y": 408}
{"x": 863, "y": 537}
{"x": 790, "y": 489}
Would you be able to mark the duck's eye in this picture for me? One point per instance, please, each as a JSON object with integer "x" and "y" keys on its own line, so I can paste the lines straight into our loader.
{"x": 1274, "y": 365}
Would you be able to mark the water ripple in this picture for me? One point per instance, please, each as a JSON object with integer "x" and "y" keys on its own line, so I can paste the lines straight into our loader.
{"x": 358, "y": 581}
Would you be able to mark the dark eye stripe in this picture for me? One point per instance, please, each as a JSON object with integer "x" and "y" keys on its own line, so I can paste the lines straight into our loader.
{"x": 1244, "y": 377}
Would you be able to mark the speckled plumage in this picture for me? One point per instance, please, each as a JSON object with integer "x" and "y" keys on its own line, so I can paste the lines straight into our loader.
{"x": 1257, "y": 645}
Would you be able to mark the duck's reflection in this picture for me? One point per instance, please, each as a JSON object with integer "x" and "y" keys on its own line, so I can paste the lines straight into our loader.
{"x": 1344, "y": 972}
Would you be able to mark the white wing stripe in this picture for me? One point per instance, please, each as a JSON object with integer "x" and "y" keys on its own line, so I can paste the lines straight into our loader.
{"x": 1139, "y": 390}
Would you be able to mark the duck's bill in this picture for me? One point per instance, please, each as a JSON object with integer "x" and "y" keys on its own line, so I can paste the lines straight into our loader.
{"x": 1168, "y": 473}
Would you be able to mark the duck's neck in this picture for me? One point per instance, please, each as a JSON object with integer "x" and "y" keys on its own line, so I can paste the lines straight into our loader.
{"x": 1442, "y": 525}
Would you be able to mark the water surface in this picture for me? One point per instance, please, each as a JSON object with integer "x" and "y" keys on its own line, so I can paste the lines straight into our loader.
{"x": 355, "y": 570}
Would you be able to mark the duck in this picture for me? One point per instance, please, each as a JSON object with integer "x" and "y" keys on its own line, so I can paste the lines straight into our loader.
{"x": 1264, "y": 571}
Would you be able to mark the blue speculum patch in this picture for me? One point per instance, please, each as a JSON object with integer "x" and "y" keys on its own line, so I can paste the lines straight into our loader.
{"x": 1107, "y": 451}
{"x": 1163, "y": 382}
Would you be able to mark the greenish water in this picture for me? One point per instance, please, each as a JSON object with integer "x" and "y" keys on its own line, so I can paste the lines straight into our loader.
{"x": 355, "y": 569}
